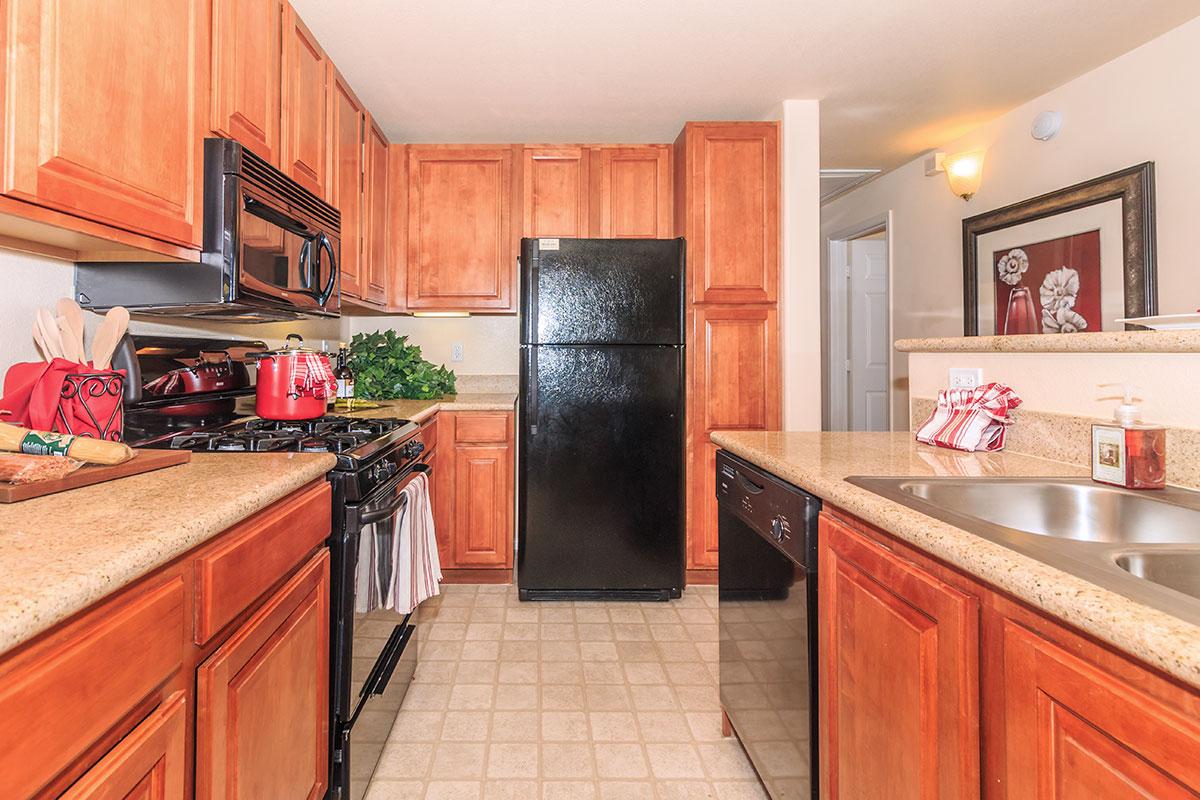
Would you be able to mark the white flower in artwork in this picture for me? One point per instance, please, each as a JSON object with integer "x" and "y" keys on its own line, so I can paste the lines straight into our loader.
{"x": 1012, "y": 266}
{"x": 1060, "y": 289}
{"x": 1063, "y": 319}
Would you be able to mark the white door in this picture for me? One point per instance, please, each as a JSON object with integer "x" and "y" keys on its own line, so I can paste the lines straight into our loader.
{"x": 869, "y": 340}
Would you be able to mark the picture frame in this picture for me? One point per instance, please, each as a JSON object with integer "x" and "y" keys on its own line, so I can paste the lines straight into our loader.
{"x": 1119, "y": 206}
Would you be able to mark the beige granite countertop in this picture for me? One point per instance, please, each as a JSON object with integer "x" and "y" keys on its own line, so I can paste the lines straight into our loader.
{"x": 819, "y": 462}
{"x": 63, "y": 552}
{"x": 421, "y": 410}
{"x": 1178, "y": 341}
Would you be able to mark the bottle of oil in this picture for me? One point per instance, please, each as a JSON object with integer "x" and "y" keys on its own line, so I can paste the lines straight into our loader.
{"x": 345, "y": 380}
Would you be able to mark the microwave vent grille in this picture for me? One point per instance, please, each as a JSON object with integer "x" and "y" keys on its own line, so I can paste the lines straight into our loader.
{"x": 255, "y": 169}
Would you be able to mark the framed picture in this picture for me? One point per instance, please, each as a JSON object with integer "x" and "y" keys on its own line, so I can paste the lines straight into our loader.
{"x": 1077, "y": 259}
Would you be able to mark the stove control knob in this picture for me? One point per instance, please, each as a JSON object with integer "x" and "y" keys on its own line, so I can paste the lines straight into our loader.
{"x": 418, "y": 448}
{"x": 779, "y": 528}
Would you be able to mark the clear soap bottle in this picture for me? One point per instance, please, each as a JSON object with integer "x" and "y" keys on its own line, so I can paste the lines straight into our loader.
{"x": 1128, "y": 452}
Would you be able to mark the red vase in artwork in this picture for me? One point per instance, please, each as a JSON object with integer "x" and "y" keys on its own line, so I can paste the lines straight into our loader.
{"x": 1022, "y": 314}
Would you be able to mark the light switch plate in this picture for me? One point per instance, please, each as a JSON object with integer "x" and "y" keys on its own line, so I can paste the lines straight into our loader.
{"x": 456, "y": 351}
{"x": 966, "y": 377}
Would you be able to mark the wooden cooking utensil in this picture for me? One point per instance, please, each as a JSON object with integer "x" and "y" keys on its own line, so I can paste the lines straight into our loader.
{"x": 49, "y": 328}
{"x": 40, "y": 342}
{"x": 14, "y": 439}
{"x": 108, "y": 336}
{"x": 68, "y": 339}
{"x": 70, "y": 310}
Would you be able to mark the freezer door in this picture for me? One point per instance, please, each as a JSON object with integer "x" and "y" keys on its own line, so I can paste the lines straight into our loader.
{"x": 602, "y": 291}
{"x": 600, "y": 469}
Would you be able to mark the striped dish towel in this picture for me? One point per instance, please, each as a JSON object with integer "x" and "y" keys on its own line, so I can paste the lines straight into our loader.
{"x": 313, "y": 375}
{"x": 418, "y": 570}
{"x": 970, "y": 419}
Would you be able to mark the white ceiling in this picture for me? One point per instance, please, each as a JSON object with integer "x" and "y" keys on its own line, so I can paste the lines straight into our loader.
{"x": 895, "y": 77}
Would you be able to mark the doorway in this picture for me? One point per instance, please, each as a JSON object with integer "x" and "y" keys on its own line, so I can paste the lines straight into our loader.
{"x": 858, "y": 363}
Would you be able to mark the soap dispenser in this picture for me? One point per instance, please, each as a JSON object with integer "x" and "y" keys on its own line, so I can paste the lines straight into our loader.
{"x": 1128, "y": 452}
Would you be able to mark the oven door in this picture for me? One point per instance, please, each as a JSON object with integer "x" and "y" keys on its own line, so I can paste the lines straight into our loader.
{"x": 377, "y": 649}
{"x": 767, "y": 665}
{"x": 283, "y": 257}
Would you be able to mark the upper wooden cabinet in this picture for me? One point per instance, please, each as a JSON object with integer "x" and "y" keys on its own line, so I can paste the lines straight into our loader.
{"x": 556, "y": 192}
{"x": 730, "y": 211}
{"x": 632, "y": 195}
{"x": 346, "y": 181}
{"x": 375, "y": 228}
{"x": 462, "y": 249}
{"x": 899, "y": 671}
{"x": 246, "y": 73}
{"x": 105, "y": 111}
{"x": 308, "y": 78}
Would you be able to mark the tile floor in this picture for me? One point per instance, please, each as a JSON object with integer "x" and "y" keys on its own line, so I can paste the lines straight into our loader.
{"x": 578, "y": 701}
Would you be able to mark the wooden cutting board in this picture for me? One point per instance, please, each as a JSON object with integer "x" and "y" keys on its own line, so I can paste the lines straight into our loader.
{"x": 144, "y": 461}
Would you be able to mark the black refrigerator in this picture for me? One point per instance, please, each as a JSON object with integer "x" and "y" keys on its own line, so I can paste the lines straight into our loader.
{"x": 600, "y": 464}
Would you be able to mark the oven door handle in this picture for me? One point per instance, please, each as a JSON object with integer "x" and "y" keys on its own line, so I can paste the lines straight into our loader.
{"x": 380, "y": 514}
{"x": 381, "y": 673}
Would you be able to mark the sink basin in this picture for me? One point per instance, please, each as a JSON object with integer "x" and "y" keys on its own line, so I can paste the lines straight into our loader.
{"x": 1175, "y": 570}
{"x": 1060, "y": 508}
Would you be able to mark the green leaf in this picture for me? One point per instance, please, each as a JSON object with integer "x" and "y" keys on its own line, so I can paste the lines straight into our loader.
{"x": 387, "y": 367}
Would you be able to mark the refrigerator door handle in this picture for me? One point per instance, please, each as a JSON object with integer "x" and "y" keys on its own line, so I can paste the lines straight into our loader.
{"x": 531, "y": 400}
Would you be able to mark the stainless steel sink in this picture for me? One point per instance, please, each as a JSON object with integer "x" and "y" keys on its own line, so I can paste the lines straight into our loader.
{"x": 1178, "y": 570}
{"x": 1083, "y": 511}
{"x": 1144, "y": 545}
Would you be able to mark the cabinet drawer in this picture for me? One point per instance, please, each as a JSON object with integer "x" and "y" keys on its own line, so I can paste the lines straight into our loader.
{"x": 255, "y": 555}
{"x": 152, "y": 756}
{"x": 481, "y": 428}
{"x": 61, "y": 697}
{"x": 429, "y": 433}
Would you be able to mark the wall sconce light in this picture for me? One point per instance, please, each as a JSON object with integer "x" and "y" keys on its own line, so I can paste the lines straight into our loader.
{"x": 964, "y": 171}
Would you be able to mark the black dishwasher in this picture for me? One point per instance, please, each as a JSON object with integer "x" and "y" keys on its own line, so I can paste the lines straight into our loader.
{"x": 767, "y": 608}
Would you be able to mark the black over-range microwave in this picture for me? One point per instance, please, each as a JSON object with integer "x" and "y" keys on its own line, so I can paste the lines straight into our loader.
{"x": 270, "y": 252}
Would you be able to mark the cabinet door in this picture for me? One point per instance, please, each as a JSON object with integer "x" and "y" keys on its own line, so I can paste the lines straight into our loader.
{"x": 732, "y": 211}
{"x": 476, "y": 487}
{"x": 633, "y": 192}
{"x": 555, "y": 185}
{"x": 461, "y": 248}
{"x": 307, "y": 102}
{"x": 246, "y": 86}
{"x": 103, "y": 117}
{"x": 375, "y": 243}
{"x": 1075, "y": 731}
{"x": 346, "y": 182}
{"x": 262, "y": 698}
{"x": 734, "y": 352}
{"x": 899, "y": 676}
{"x": 148, "y": 764}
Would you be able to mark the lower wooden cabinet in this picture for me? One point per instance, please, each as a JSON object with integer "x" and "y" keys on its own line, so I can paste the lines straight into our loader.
{"x": 148, "y": 764}
{"x": 899, "y": 675}
{"x": 473, "y": 488}
{"x": 262, "y": 723}
{"x": 935, "y": 685}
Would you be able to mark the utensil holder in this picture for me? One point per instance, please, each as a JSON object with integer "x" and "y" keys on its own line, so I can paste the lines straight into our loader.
{"x": 90, "y": 404}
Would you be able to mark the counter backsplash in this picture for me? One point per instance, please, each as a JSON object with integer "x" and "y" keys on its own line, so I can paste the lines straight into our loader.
{"x": 1068, "y": 438}
{"x": 486, "y": 384}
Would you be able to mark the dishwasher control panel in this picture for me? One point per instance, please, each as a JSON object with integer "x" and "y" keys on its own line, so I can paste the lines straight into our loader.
{"x": 776, "y": 510}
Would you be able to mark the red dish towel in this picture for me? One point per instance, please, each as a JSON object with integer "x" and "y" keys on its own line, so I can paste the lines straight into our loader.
{"x": 970, "y": 419}
{"x": 313, "y": 375}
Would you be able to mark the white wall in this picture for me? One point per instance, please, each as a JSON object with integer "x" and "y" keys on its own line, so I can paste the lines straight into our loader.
{"x": 1139, "y": 107}
{"x": 800, "y": 274}
{"x": 36, "y": 281}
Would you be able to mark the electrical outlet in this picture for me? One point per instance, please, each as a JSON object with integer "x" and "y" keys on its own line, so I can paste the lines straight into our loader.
{"x": 456, "y": 351}
{"x": 966, "y": 378}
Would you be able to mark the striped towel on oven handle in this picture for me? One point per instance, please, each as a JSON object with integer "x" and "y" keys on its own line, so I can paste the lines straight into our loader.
{"x": 970, "y": 419}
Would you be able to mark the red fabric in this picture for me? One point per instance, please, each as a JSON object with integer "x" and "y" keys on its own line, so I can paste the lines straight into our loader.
{"x": 313, "y": 375}
{"x": 970, "y": 419}
{"x": 33, "y": 396}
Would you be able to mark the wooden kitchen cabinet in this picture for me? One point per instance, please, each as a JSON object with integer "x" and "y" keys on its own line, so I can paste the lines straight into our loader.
{"x": 632, "y": 194}
{"x": 462, "y": 241}
{"x": 307, "y": 101}
{"x": 730, "y": 212}
{"x": 899, "y": 667}
{"x": 148, "y": 764}
{"x": 474, "y": 491}
{"x": 105, "y": 112}
{"x": 346, "y": 182}
{"x": 262, "y": 723}
{"x": 556, "y": 192}
{"x": 246, "y": 73}
{"x": 375, "y": 228}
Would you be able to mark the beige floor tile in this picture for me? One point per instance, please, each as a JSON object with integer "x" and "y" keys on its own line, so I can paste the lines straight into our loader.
{"x": 688, "y": 673}
{"x": 558, "y": 631}
{"x": 679, "y": 651}
{"x": 476, "y": 672}
{"x": 626, "y": 790}
{"x": 725, "y": 760}
{"x": 519, "y": 651}
{"x": 564, "y": 697}
{"x": 642, "y": 672}
{"x": 386, "y": 789}
{"x": 517, "y": 696}
{"x": 674, "y": 760}
{"x": 569, "y": 790}
{"x": 637, "y": 651}
{"x": 631, "y": 632}
{"x": 591, "y": 613}
{"x": 466, "y": 726}
{"x": 603, "y": 672}
{"x": 515, "y": 726}
{"x": 685, "y": 790}
{"x": 705, "y": 725}
{"x": 595, "y": 632}
{"x": 613, "y": 726}
{"x": 620, "y": 760}
{"x": 513, "y": 760}
{"x": 481, "y": 651}
{"x": 567, "y": 760}
{"x": 525, "y": 613}
{"x": 664, "y": 726}
{"x": 556, "y": 613}
{"x": 567, "y": 650}
{"x": 487, "y": 614}
{"x": 471, "y": 697}
{"x": 562, "y": 672}
{"x": 405, "y": 760}
{"x": 658, "y": 697}
{"x": 598, "y": 651}
{"x": 740, "y": 790}
{"x": 607, "y": 697}
{"x": 520, "y": 631}
{"x": 565, "y": 726}
{"x": 460, "y": 760}
{"x": 518, "y": 672}
{"x": 483, "y": 630}
{"x": 510, "y": 789}
{"x": 427, "y": 696}
{"x": 454, "y": 790}
{"x": 416, "y": 726}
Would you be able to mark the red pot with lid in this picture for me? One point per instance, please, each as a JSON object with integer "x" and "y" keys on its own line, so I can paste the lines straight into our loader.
{"x": 294, "y": 382}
